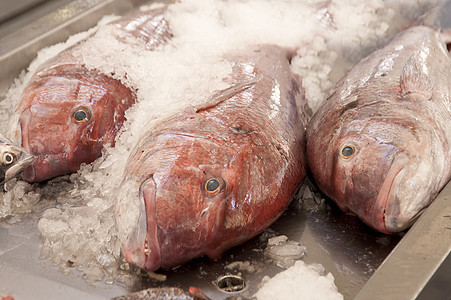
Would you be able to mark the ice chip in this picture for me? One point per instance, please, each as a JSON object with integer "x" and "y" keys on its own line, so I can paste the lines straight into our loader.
{"x": 93, "y": 273}
{"x": 277, "y": 240}
{"x": 284, "y": 252}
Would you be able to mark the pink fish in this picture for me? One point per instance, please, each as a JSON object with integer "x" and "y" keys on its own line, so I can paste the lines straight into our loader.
{"x": 214, "y": 178}
{"x": 68, "y": 112}
{"x": 380, "y": 145}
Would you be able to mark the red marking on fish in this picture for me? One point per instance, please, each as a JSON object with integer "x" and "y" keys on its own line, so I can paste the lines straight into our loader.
{"x": 213, "y": 178}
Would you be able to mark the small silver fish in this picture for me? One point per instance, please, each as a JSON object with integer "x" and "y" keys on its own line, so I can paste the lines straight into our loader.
{"x": 13, "y": 159}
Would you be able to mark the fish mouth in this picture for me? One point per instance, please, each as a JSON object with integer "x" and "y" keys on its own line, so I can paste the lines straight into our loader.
{"x": 383, "y": 213}
{"x": 47, "y": 164}
{"x": 142, "y": 247}
{"x": 44, "y": 168}
{"x": 29, "y": 174}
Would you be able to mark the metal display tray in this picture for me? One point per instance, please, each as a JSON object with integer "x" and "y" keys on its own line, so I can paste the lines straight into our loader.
{"x": 364, "y": 263}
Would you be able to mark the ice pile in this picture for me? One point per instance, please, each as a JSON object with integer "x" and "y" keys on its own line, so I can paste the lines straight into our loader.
{"x": 80, "y": 232}
{"x": 300, "y": 281}
{"x": 329, "y": 37}
{"x": 17, "y": 199}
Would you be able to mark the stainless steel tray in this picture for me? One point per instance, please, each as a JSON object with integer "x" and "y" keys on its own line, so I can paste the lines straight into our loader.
{"x": 340, "y": 242}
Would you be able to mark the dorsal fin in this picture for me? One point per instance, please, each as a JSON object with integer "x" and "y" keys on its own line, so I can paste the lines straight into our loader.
{"x": 227, "y": 93}
{"x": 415, "y": 80}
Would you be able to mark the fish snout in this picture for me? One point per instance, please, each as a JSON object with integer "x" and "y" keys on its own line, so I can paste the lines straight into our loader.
{"x": 142, "y": 247}
{"x": 46, "y": 167}
{"x": 29, "y": 174}
{"x": 397, "y": 221}
{"x": 386, "y": 212}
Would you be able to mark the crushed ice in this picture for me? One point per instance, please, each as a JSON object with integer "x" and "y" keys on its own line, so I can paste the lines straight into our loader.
{"x": 284, "y": 252}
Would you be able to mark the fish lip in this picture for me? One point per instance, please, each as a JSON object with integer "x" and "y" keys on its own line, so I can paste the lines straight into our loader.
{"x": 29, "y": 174}
{"x": 45, "y": 164}
{"x": 41, "y": 170}
{"x": 142, "y": 247}
{"x": 387, "y": 195}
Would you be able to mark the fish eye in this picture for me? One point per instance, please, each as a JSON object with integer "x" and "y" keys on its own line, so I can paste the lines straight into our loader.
{"x": 8, "y": 158}
{"x": 81, "y": 115}
{"x": 212, "y": 186}
{"x": 347, "y": 151}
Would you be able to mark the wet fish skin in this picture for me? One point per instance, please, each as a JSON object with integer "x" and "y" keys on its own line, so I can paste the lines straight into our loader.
{"x": 13, "y": 159}
{"x": 68, "y": 112}
{"x": 203, "y": 181}
{"x": 380, "y": 145}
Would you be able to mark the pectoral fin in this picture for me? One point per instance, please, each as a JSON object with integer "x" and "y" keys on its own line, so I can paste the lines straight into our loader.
{"x": 415, "y": 82}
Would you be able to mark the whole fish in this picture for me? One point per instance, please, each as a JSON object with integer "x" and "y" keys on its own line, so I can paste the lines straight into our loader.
{"x": 203, "y": 181}
{"x": 68, "y": 112}
{"x": 380, "y": 145}
{"x": 13, "y": 159}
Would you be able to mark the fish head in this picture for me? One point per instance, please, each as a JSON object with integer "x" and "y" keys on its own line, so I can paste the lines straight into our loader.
{"x": 196, "y": 196}
{"x": 378, "y": 167}
{"x": 67, "y": 116}
{"x": 181, "y": 201}
{"x": 13, "y": 159}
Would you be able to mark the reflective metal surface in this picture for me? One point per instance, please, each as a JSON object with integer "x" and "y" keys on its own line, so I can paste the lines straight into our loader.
{"x": 341, "y": 243}
{"x": 17, "y": 14}
{"x": 18, "y": 48}
{"x": 10, "y": 9}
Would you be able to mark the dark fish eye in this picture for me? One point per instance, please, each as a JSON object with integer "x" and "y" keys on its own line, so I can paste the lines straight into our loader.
{"x": 212, "y": 186}
{"x": 347, "y": 151}
{"x": 8, "y": 158}
{"x": 81, "y": 115}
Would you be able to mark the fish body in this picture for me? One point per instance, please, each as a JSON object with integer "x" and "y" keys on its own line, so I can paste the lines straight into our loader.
{"x": 13, "y": 159}
{"x": 68, "y": 113}
{"x": 380, "y": 145}
{"x": 208, "y": 179}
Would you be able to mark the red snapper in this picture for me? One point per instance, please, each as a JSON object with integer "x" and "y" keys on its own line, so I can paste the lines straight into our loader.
{"x": 380, "y": 145}
{"x": 68, "y": 112}
{"x": 206, "y": 180}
